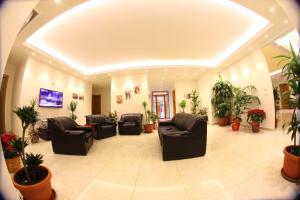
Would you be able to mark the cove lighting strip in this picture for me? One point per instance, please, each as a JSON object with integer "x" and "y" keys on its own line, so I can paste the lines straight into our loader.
{"x": 35, "y": 41}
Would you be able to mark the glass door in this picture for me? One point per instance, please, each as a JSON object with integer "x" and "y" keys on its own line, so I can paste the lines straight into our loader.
{"x": 160, "y": 104}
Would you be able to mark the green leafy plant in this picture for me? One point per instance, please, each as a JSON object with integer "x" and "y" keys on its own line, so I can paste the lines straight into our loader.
{"x": 148, "y": 116}
{"x": 28, "y": 116}
{"x": 222, "y": 96}
{"x": 202, "y": 111}
{"x": 182, "y": 104}
{"x": 113, "y": 116}
{"x": 154, "y": 118}
{"x": 256, "y": 115}
{"x": 145, "y": 105}
{"x": 194, "y": 101}
{"x": 241, "y": 100}
{"x": 291, "y": 70}
{"x": 72, "y": 107}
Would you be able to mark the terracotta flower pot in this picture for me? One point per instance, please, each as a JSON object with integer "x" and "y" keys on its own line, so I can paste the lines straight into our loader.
{"x": 148, "y": 128}
{"x": 13, "y": 164}
{"x": 235, "y": 125}
{"x": 254, "y": 126}
{"x": 38, "y": 191}
{"x": 291, "y": 164}
{"x": 223, "y": 121}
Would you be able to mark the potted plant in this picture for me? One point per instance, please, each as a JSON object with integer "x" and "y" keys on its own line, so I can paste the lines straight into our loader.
{"x": 194, "y": 101}
{"x": 33, "y": 180}
{"x": 240, "y": 102}
{"x": 11, "y": 147}
{"x": 154, "y": 119}
{"x": 113, "y": 117}
{"x": 72, "y": 107}
{"x": 182, "y": 104}
{"x": 202, "y": 111}
{"x": 291, "y": 70}
{"x": 148, "y": 127}
{"x": 33, "y": 134}
{"x": 255, "y": 117}
{"x": 221, "y": 101}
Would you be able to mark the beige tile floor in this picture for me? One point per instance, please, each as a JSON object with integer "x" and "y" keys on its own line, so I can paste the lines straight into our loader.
{"x": 239, "y": 165}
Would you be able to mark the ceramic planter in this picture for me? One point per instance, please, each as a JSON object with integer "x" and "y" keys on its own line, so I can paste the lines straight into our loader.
{"x": 222, "y": 121}
{"x": 148, "y": 128}
{"x": 13, "y": 164}
{"x": 38, "y": 191}
{"x": 235, "y": 125}
{"x": 291, "y": 164}
{"x": 254, "y": 126}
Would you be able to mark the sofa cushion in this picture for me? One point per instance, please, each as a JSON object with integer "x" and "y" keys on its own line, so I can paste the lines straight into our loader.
{"x": 56, "y": 125}
{"x": 95, "y": 119}
{"x": 180, "y": 120}
{"x": 129, "y": 124}
{"x": 67, "y": 123}
{"x": 107, "y": 127}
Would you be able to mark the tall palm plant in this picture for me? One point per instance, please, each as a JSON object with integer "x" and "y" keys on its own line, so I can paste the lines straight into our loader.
{"x": 242, "y": 99}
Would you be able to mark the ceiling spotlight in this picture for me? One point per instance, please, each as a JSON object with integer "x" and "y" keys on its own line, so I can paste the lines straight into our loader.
{"x": 109, "y": 74}
{"x": 272, "y": 9}
{"x": 57, "y": 1}
{"x": 146, "y": 70}
{"x": 65, "y": 68}
{"x": 266, "y": 36}
{"x": 126, "y": 72}
{"x": 33, "y": 53}
{"x": 50, "y": 62}
{"x": 94, "y": 76}
{"x": 250, "y": 48}
{"x": 286, "y": 21}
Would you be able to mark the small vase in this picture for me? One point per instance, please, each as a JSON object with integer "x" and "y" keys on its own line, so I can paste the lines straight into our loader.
{"x": 13, "y": 164}
{"x": 254, "y": 126}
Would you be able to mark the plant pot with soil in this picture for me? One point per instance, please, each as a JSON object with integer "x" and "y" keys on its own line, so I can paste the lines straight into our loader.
{"x": 10, "y": 145}
{"x": 291, "y": 70}
{"x": 33, "y": 180}
{"x": 254, "y": 118}
{"x": 148, "y": 127}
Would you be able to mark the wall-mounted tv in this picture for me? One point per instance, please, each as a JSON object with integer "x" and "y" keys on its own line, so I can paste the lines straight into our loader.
{"x": 50, "y": 98}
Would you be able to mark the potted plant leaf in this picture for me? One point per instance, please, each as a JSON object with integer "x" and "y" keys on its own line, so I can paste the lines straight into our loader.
{"x": 240, "y": 102}
{"x": 72, "y": 107}
{"x": 182, "y": 104}
{"x": 194, "y": 101}
{"x": 113, "y": 117}
{"x": 276, "y": 103}
{"x": 254, "y": 118}
{"x": 291, "y": 70}
{"x": 33, "y": 180}
{"x": 154, "y": 119}
{"x": 221, "y": 101}
{"x": 148, "y": 127}
{"x": 11, "y": 147}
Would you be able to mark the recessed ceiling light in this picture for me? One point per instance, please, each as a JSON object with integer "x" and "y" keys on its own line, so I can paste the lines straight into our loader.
{"x": 33, "y": 53}
{"x": 165, "y": 70}
{"x": 146, "y": 70}
{"x": 57, "y": 1}
{"x": 286, "y": 21}
{"x": 272, "y": 9}
{"x": 94, "y": 76}
{"x": 266, "y": 36}
{"x": 226, "y": 64}
{"x": 65, "y": 68}
{"x": 109, "y": 74}
{"x": 250, "y": 48}
{"x": 50, "y": 62}
{"x": 126, "y": 72}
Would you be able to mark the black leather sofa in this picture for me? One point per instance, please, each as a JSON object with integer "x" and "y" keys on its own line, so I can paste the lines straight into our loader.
{"x": 68, "y": 137}
{"x": 102, "y": 126}
{"x": 130, "y": 124}
{"x": 183, "y": 137}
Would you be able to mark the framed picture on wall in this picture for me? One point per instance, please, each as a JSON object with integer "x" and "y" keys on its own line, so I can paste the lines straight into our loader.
{"x": 187, "y": 96}
{"x": 81, "y": 97}
{"x": 127, "y": 94}
{"x": 119, "y": 99}
{"x": 137, "y": 89}
{"x": 75, "y": 96}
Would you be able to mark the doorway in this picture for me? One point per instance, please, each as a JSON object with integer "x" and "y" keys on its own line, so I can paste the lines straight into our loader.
{"x": 96, "y": 104}
{"x": 2, "y": 103}
{"x": 160, "y": 104}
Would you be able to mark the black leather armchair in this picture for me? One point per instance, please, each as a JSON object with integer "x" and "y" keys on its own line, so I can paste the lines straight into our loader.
{"x": 68, "y": 137}
{"x": 183, "y": 137}
{"x": 130, "y": 124}
{"x": 103, "y": 127}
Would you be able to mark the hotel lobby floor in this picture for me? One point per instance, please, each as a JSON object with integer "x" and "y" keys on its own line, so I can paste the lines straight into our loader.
{"x": 241, "y": 165}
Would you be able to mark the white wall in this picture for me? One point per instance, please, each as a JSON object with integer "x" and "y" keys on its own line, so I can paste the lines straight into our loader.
{"x": 105, "y": 99}
{"x": 40, "y": 75}
{"x": 181, "y": 88}
{"x": 10, "y": 70}
{"x": 121, "y": 83}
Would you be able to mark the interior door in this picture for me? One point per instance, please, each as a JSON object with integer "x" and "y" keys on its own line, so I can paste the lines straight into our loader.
{"x": 161, "y": 107}
{"x": 174, "y": 102}
{"x": 96, "y": 104}
{"x": 2, "y": 103}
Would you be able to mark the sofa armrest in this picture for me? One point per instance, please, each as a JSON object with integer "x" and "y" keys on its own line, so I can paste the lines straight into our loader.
{"x": 165, "y": 123}
{"x": 110, "y": 122}
{"x": 121, "y": 122}
{"x": 84, "y": 128}
{"x": 75, "y": 132}
{"x": 176, "y": 134}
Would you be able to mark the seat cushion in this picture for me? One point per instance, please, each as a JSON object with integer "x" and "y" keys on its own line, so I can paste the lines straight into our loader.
{"x": 107, "y": 126}
{"x": 167, "y": 129}
{"x": 95, "y": 119}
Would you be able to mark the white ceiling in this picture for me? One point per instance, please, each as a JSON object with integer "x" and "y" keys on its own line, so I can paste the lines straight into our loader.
{"x": 132, "y": 31}
{"x": 109, "y": 35}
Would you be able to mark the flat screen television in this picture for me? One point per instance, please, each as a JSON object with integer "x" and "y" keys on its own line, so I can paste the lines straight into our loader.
{"x": 50, "y": 98}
